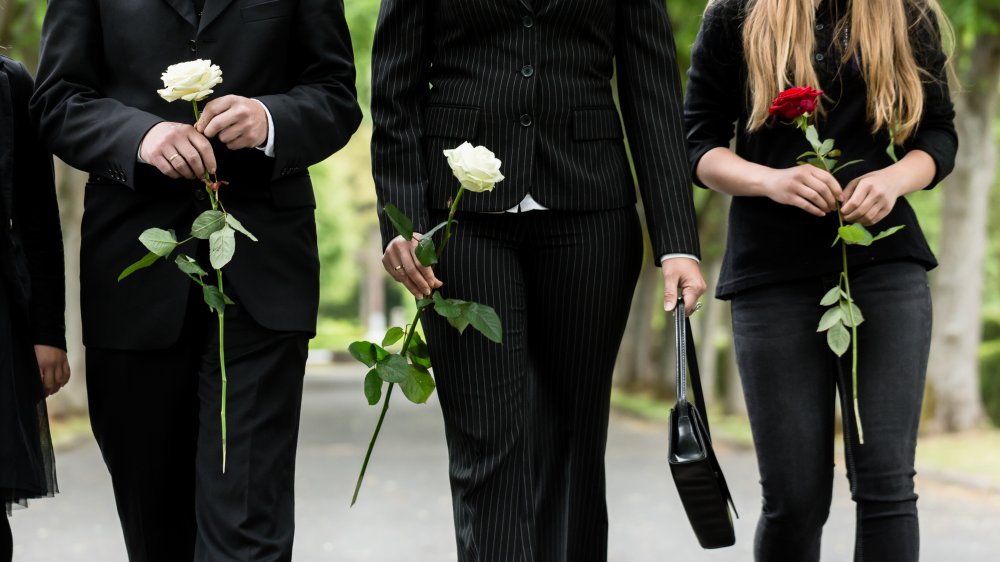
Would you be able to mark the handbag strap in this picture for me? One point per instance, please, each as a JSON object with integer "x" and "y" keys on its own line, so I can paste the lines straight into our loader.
{"x": 687, "y": 364}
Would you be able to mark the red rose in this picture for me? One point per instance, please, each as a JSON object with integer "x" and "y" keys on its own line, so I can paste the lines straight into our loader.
{"x": 795, "y": 102}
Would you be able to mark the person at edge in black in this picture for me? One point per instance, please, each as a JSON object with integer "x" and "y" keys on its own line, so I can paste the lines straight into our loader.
{"x": 287, "y": 101}
{"x": 779, "y": 262}
{"x": 33, "y": 361}
{"x": 556, "y": 248}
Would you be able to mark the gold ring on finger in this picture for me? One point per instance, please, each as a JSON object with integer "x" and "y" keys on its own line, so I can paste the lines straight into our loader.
{"x": 171, "y": 159}
{"x": 397, "y": 268}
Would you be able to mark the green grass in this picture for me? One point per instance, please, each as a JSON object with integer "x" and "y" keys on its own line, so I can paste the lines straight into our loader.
{"x": 734, "y": 430}
{"x": 972, "y": 457}
{"x": 974, "y": 454}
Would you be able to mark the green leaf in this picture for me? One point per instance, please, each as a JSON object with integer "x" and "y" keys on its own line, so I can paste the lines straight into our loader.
{"x": 146, "y": 261}
{"x": 846, "y": 310}
{"x": 804, "y": 154}
{"x": 449, "y": 308}
{"x": 238, "y": 227}
{"x": 393, "y": 369}
{"x": 418, "y": 351}
{"x": 438, "y": 227}
{"x": 402, "y": 223}
{"x": 190, "y": 266}
{"x": 418, "y": 386}
{"x": 460, "y": 323}
{"x": 392, "y": 336}
{"x": 831, "y": 318}
{"x": 846, "y": 164}
{"x": 839, "y": 339}
{"x": 835, "y": 153}
{"x": 214, "y": 298}
{"x": 426, "y": 252}
{"x": 158, "y": 241}
{"x": 208, "y": 222}
{"x": 424, "y": 302}
{"x": 221, "y": 247}
{"x": 373, "y": 388}
{"x": 832, "y": 297}
{"x": 813, "y": 137}
{"x": 380, "y": 353}
{"x": 889, "y": 232}
{"x": 484, "y": 319}
{"x": 817, "y": 163}
{"x": 363, "y": 351}
{"x": 826, "y": 147}
{"x": 855, "y": 234}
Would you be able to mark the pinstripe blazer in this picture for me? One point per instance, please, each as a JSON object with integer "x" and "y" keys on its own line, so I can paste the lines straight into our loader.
{"x": 532, "y": 81}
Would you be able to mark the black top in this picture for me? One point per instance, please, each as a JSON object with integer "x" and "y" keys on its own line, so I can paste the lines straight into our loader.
{"x": 532, "y": 81}
{"x": 769, "y": 242}
{"x": 31, "y": 250}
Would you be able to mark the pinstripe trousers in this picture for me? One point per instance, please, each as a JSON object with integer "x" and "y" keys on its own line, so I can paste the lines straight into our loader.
{"x": 526, "y": 421}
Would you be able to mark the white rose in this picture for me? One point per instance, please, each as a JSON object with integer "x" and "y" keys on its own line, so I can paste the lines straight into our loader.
{"x": 190, "y": 81}
{"x": 476, "y": 168}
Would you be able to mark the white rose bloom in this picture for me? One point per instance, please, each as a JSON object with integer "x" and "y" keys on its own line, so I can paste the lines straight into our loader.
{"x": 476, "y": 168}
{"x": 190, "y": 81}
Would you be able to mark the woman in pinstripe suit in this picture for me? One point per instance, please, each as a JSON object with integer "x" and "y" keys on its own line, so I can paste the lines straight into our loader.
{"x": 555, "y": 249}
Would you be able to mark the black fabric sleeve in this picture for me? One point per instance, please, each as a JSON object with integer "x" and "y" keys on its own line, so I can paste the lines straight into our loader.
{"x": 936, "y": 134}
{"x": 317, "y": 116}
{"x": 36, "y": 214}
{"x": 400, "y": 82}
{"x": 649, "y": 89}
{"x": 87, "y": 129}
{"x": 715, "y": 91}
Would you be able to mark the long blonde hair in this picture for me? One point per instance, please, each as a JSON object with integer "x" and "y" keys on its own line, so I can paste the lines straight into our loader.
{"x": 779, "y": 44}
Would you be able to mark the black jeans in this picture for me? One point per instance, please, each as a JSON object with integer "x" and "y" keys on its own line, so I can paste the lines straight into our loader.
{"x": 790, "y": 376}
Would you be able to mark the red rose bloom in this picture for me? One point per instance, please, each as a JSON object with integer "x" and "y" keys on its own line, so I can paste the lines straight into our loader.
{"x": 795, "y": 102}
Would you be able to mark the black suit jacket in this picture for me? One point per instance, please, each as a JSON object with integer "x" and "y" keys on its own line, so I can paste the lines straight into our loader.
{"x": 96, "y": 98}
{"x": 532, "y": 81}
{"x": 31, "y": 250}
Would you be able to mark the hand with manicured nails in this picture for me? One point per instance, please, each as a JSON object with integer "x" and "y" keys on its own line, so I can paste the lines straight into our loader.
{"x": 400, "y": 261}
{"x": 682, "y": 276}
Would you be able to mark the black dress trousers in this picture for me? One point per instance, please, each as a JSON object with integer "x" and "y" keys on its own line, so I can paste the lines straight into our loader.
{"x": 156, "y": 416}
{"x": 526, "y": 421}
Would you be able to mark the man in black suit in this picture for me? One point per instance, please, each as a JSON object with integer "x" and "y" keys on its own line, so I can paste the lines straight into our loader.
{"x": 556, "y": 248}
{"x": 288, "y": 101}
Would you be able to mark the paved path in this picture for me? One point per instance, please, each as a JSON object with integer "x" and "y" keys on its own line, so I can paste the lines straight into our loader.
{"x": 404, "y": 513}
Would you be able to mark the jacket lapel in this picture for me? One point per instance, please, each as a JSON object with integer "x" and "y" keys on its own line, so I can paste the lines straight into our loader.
{"x": 527, "y": 5}
{"x": 213, "y": 9}
{"x": 186, "y": 9}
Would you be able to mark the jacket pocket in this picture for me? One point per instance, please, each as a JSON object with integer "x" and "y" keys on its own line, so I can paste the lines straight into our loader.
{"x": 596, "y": 123}
{"x": 271, "y": 9}
{"x": 452, "y": 121}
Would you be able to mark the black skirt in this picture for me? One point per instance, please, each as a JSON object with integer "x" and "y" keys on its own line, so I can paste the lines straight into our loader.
{"x": 27, "y": 464}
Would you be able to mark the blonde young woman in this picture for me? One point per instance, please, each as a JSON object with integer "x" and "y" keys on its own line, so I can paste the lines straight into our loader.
{"x": 881, "y": 65}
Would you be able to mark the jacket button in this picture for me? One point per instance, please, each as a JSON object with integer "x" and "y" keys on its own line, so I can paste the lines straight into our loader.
{"x": 527, "y": 71}
{"x": 528, "y": 22}
{"x": 820, "y": 57}
{"x": 193, "y": 45}
{"x": 525, "y": 120}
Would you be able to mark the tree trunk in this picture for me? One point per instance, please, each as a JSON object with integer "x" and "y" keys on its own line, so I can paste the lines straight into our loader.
{"x": 958, "y": 289}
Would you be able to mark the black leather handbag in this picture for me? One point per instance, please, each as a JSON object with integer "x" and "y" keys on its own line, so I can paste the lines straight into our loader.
{"x": 699, "y": 479}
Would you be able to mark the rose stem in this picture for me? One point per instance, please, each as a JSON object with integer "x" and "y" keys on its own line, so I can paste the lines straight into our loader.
{"x": 406, "y": 347}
